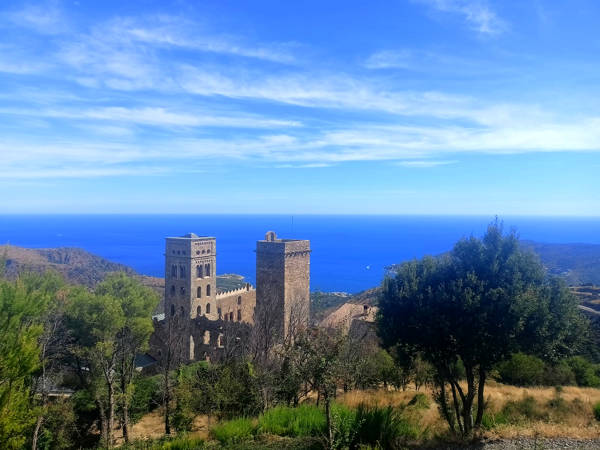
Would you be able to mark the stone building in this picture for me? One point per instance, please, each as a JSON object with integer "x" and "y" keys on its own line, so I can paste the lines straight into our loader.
{"x": 205, "y": 323}
{"x": 283, "y": 282}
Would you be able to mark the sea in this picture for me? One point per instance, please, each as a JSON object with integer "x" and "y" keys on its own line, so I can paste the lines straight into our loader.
{"x": 350, "y": 253}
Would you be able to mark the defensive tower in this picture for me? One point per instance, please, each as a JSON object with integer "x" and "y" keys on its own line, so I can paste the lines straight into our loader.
{"x": 283, "y": 283}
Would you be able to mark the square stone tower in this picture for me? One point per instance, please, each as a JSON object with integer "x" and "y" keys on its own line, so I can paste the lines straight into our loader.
{"x": 282, "y": 284}
{"x": 190, "y": 276}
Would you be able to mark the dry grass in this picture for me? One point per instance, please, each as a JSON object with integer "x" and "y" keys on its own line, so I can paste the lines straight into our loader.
{"x": 572, "y": 418}
{"x": 152, "y": 426}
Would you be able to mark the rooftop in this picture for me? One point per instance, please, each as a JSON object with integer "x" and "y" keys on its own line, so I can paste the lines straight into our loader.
{"x": 191, "y": 236}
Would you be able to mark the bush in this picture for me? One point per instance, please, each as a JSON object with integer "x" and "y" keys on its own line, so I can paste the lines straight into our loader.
{"x": 419, "y": 401}
{"x": 305, "y": 420}
{"x": 145, "y": 398}
{"x": 234, "y": 431}
{"x": 167, "y": 443}
{"x": 384, "y": 427}
{"x": 521, "y": 370}
{"x": 585, "y": 372}
{"x": 558, "y": 375}
{"x": 343, "y": 424}
{"x": 518, "y": 411}
{"x": 597, "y": 411}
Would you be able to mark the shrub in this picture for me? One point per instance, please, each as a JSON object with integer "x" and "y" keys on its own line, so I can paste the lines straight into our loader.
{"x": 558, "y": 375}
{"x": 597, "y": 411}
{"x": 419, "y": 401}
{"x": 384, "y": 427}
{"x": 344, "y": 427}
{"x": 584, "y": 371}
{"x": 305, "y": 420}
{"x": 521, "y": 370}
{"x": 166, "y": 443}
{"x": 145, "y": 398}
{"x": 518, "y": 411}
{"x": 234, "y": 431}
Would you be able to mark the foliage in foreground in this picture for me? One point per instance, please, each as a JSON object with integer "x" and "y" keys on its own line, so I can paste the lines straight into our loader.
{"x": 384, "y": 427}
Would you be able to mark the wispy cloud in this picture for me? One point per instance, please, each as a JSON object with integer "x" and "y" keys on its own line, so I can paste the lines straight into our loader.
{"x": 42, "y": 17}
{"x": 476, "y": 13}
{"x": 154, "y": 116}
{"x": 425, "y": 163}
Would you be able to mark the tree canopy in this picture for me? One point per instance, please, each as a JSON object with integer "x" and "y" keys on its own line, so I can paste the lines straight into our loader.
{"x": 473, "y": 308}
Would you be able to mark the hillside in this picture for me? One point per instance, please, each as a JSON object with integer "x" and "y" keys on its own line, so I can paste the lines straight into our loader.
{"x": 576, "y": 263}
{"x": 81, "y": 267}
{"x": 76, "y": 265}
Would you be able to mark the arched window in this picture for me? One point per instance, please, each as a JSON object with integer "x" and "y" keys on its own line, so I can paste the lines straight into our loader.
{"x": 199, "y": 311}
{"x": 206, "y": 337}
{"x": 231, "y": 316}
{"x": 182, "y": 272}
{"x": 181, "y": 311}
{"x": 219, "y": 312}
{"x": 208, "y": 308}
{"x": 239, "y": 314}
{"x": 207, "y": 270}
{"x": 199, "y": 292}
{"x": 173, "y": 271}
{"x": 172, "y": 290}
{"x": 182, "y": 290}
{"x": 239, "y": 299}
{"x": 172, "y": 309}
{"x": 208, "y": 290}
{"x": 199, "y": 271}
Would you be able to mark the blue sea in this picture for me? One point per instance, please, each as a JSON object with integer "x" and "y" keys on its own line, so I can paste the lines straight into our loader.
{"x": 350, "y": 253}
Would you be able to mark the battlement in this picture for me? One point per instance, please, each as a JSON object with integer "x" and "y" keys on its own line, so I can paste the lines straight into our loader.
{"x": 241, "y": 290}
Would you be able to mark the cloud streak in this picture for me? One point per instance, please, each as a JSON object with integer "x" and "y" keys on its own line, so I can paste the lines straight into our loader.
{"x": 476, "y": 13}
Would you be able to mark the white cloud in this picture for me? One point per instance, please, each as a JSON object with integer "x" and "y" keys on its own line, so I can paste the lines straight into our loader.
{"x": 153, "y": 116}
{"x": 42, "y": 17}
{"x": 424, "y": 163}
{"x": 477, "y": 13}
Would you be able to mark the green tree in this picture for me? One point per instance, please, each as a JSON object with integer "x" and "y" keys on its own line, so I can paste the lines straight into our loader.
{"x": 94, "y": 321}
{"x": 137, "y": 303}
{"x": 470, "y": 309}
{"x": 316, "y": 353}
{"x": 20, "y": 309}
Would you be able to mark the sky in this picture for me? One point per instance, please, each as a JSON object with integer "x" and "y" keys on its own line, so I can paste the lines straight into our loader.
{"x": 317, "y": 107}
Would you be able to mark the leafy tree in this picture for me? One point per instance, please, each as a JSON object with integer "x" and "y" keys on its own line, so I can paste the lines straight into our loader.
{"x": 20, "y": 309}
{"x": 316, "y": 354}
{"x": 94, "y": 321}
{"x": 136, "y": 303}
{"x": 111, "y": 326}
{"x": 470, "y": 309}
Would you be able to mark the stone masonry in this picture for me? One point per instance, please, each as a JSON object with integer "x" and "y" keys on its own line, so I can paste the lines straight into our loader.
{"x": 204, "y": 319}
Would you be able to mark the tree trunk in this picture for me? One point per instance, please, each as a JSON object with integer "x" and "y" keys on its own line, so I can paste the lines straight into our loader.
{"x": 480, "y": 398}
{"x": 457, "y": 409}
{"x": 111, "y": 414}
{"x": 36, "y": 431}
{"x": 468, "y": 401}
{"x": 103, "y": 421}
{"x": 328, "y": 415}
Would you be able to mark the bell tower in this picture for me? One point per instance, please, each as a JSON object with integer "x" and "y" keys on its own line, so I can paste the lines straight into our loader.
{"x": 190, "y": 276}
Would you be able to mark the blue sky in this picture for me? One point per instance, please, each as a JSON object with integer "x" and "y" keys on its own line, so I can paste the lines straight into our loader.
{"x": 401, "y": 107}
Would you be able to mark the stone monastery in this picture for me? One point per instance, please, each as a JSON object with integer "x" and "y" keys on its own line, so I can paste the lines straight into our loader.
{"x": 202, "y": 320}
